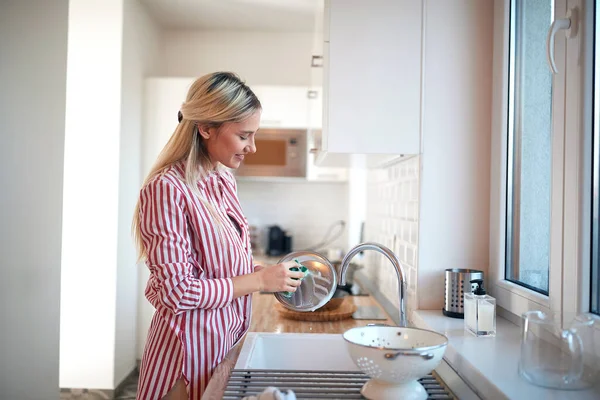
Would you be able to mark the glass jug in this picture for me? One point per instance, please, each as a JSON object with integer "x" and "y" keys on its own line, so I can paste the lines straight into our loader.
{"x": 555, "y": 358}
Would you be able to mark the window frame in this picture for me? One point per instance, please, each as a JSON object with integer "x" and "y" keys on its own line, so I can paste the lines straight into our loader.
{"x": 512, "y": 297}
{"x": 592, "y": 91}
{"x": 579, "y": 192}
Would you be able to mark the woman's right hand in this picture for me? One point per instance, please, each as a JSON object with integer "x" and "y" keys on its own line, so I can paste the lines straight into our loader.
{"x": 279, "y": 278}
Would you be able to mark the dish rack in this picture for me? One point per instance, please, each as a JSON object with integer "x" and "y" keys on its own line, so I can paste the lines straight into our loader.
{"x": 315, "y": 384}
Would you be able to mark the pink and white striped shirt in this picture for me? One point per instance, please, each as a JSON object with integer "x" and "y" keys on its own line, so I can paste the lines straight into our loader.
{"x": 191, "y": 264}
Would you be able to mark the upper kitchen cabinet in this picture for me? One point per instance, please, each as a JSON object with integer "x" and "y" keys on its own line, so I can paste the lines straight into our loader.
{"x": 283, "y": 106}
{"x": 316, "y": 63}
{"x": 371, "y": 76}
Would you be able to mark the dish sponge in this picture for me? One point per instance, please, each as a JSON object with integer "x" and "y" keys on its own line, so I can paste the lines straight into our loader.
{"x": 301, "y": 268}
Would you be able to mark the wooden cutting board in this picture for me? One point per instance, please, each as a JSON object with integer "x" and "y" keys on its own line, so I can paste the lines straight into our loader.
{"x": 345, "y": 310}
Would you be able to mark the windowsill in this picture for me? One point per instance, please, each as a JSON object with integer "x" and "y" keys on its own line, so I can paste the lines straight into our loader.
{"x": 489, "y": 365}
{"x": 521, "y": 291}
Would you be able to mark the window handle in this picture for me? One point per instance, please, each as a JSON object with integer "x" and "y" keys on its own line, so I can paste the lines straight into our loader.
{"x": 570, "y": 25}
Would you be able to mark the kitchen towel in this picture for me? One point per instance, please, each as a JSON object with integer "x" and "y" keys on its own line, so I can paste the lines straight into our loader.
{"x": 272, "y": 393}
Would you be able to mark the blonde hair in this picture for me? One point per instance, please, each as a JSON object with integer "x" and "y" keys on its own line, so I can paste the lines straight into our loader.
{"x": 212, "y": 100}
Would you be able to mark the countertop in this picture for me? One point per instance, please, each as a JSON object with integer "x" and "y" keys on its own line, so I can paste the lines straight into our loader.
{"x": 266, "y": 319}
{"x": 489, "y": 364}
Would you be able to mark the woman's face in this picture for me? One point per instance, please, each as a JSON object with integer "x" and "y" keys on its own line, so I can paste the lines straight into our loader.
{"x": 229, "y": 143}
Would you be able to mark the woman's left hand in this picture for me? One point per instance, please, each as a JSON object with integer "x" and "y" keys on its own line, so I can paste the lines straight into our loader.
{"x": 267, "y": 278}
{"x": 279, "y": 278}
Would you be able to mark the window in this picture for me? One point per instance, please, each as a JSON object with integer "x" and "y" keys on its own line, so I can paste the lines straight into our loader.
{"x": 531, "y": 136}
{"x": 529, "y": 152}
{"x": 545, "y": 199}
{"x": 595, "y": 98}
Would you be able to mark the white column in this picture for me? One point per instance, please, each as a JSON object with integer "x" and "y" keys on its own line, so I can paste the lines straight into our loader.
{"x": 91, "y": 194}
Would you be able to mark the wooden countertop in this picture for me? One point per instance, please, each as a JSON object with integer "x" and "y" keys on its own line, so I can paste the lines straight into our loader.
{"x": 265, "y": 318}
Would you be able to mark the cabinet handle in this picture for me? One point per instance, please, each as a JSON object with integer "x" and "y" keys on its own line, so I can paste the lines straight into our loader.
{"x": 312, "y": 94}
{"x": 314, "y": 150}
{"x": 316, "y": 61}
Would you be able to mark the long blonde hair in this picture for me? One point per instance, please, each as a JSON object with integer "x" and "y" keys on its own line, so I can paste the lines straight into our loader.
{"x": 212, "y": 100}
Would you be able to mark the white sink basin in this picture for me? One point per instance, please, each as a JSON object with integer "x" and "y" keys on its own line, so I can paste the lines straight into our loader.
{"x": 295, "y": 351}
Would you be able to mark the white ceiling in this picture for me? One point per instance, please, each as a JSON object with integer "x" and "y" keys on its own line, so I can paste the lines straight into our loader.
{"x": 257, "y": 15}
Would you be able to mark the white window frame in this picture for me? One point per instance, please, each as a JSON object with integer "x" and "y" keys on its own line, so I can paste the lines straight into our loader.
{"x": 578, "y": 192}
{"x": 512, "y": 297}
{"x": 570, "y": 263}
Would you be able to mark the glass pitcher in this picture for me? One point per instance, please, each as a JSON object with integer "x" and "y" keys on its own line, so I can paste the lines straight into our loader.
{"x": 555, "y": 358}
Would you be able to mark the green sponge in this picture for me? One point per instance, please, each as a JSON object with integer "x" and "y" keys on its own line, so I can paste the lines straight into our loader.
{"x": 301, "y": 268}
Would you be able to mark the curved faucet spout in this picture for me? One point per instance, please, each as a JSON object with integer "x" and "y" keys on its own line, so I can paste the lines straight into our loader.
{"x": 395, "y": 262}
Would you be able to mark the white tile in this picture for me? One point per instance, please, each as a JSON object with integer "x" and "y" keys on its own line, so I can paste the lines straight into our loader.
{"x": 410, "y": 255}
{"x": 392, "y": 220}
{"x": 414, "y": 190}
{"x": 414, "y": 233}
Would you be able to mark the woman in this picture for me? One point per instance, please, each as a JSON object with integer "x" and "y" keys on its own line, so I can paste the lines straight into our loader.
{"x": 190, "y": 229}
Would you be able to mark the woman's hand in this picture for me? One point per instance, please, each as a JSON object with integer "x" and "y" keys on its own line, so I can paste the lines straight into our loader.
{"x": 279, "y": 278}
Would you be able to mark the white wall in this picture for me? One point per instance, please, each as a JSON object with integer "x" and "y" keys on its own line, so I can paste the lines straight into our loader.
{"x": 91, "y": 194}
{"x": 456, "y": 137}
{"x": 261, "y": 58}
{"x": 304, "y": 210}
{"x": 141, "y": 57}
{"x": 33, "y": 61}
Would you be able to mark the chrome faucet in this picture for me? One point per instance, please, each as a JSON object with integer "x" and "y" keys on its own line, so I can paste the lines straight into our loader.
{"x": 395, "y": 262}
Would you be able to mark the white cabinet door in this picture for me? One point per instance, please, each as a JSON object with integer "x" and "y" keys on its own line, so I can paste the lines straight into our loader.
{"x": 316, "y": 70}
{"x": 283, "y": 106}
{"x": 372, "y": 76}
{"x": 335, "y": 172}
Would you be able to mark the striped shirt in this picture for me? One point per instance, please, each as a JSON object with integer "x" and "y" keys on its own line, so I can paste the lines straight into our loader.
{"x": 191, "y": 262}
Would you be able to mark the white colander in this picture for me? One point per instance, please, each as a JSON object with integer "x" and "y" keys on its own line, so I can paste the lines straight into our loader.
{"x": 394, "y": 358}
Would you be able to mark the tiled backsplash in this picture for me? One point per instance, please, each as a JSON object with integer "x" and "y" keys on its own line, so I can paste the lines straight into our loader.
{"x": 393, "y": 220}
{"x": 305, "y": 210}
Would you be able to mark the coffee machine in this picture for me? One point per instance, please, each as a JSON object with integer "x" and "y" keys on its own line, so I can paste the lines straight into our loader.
{"x": 279, "y": 242}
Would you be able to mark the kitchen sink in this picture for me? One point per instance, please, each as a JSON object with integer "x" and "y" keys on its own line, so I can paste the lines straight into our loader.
{"x": 295, "y": 351}
{"x": 315, "y": 366}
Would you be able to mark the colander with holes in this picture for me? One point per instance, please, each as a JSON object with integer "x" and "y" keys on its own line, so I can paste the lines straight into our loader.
{"x": 395, "y": 358}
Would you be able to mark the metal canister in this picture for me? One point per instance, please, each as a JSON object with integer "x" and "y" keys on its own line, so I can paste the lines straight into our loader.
{"x": 457, "y": 283}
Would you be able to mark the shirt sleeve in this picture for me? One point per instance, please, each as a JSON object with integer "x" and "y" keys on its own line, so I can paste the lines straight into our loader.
{"x": 172, "y": 285}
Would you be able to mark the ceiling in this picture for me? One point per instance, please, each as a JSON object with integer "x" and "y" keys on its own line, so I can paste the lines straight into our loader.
{"x": 256, "y": 15}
